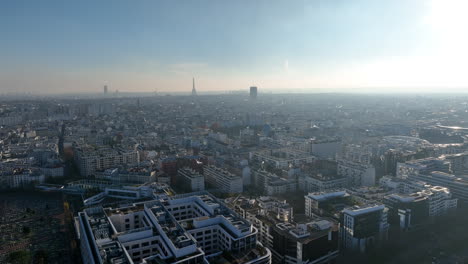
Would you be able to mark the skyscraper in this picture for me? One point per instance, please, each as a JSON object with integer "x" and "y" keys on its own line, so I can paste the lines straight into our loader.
{"x": 194, "y": 92}
{"x": 253, "y": 92}
{"x": 105, "y": 89}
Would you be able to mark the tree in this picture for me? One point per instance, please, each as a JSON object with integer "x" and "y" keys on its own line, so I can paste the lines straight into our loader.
{"x": 40, "y": 257}
{"x": 26, "y": 230}
{"x": 19, "y": 257}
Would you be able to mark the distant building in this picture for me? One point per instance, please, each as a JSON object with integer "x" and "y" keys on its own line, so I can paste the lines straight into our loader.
{"x": 357, "y": 173}
{"x": 248, "y": 137}
{"x": 191, "y": 180}
{"x": 223, "y": 180}
{"x": 169, "y": 166}
{"x": 435, "y": 171}
{"x": 253, "y": 92}
{"x": 458, "y": 186}
{"x": 19, "y": 178}
{"x": 326, "y": 149}
{"x": 194, "y": 92}
{"x": 411, "y": 203}
{"x": 91, "y": 159}
{"x": 415, "y": 167}
{"x": 272, "y": 184}
{"x": 105, "y": 90}
{"x": 318, "y": 182}
{"x": 282, "y": 158}
{"x": 128, "y": 174}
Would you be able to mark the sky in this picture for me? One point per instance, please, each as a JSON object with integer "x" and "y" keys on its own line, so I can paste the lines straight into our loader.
{"x": 65, "y": 46}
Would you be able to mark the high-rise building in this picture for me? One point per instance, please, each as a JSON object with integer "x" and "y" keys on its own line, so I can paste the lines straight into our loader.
{"x": 253, "y": 92}
{"x": 363, "y": 226}
{"x": 105, "y": 89}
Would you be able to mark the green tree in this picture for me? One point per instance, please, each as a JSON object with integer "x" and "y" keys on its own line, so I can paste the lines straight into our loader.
{"x": 19, "y": 257}
{"x": 26, "y": 230}
{"x": 40, "y": 257}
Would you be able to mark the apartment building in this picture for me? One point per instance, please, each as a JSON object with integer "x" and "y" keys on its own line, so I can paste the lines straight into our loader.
{"x": 191, "y": 179}
{"x": 91, "y": 159}
{"x": 358, "y": 174}
{"x": 223, "y": 180}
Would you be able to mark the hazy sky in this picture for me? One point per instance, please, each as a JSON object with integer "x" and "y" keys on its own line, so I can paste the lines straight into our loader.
{"x": 319, "y": 46}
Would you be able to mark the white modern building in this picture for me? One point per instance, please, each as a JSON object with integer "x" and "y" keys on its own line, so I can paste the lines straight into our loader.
{"x": 191, "y": 228}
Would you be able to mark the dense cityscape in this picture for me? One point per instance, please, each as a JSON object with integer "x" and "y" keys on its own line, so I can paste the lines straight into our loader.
{"x": 233, "y": 132}
{"x": 245, "y": 177}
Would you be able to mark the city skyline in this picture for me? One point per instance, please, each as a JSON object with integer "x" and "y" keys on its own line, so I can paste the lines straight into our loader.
{"x": 280, "y": 46}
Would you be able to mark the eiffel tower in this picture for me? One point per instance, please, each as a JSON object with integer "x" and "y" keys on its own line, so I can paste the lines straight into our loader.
{"x": 194, "y": 92}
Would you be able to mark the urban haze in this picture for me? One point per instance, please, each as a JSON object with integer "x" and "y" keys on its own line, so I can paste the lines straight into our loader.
{"x": 255, "y": 132}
